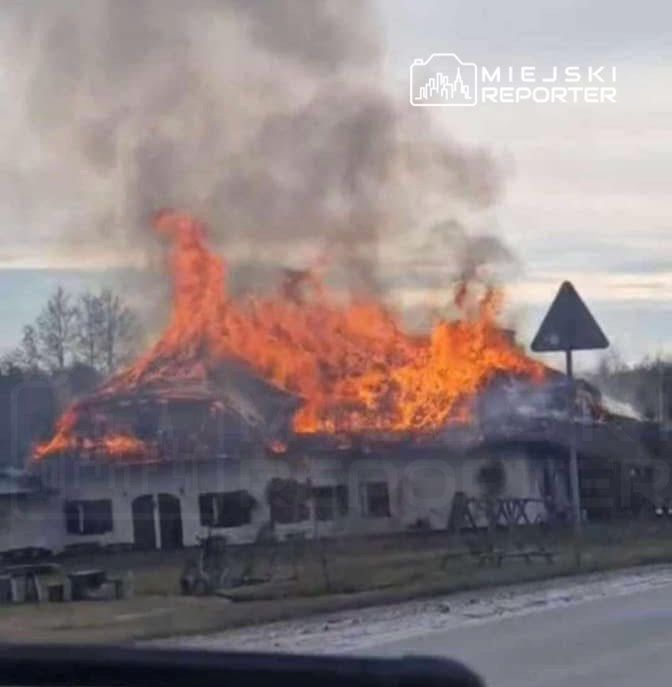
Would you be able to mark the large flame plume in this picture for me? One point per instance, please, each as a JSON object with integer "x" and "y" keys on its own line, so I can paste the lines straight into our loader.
{"x": 352, "y": 364}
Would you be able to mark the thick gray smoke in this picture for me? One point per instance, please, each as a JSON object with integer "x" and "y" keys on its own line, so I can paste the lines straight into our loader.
{"x": 268, "y": 119}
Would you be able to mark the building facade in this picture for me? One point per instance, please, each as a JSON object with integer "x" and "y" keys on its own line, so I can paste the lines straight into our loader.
{"x": 170, "y": 504}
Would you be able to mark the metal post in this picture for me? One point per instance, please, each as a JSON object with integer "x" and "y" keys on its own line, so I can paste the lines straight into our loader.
{"x": 661, "y": 399}
{"x": 573, "y": 461}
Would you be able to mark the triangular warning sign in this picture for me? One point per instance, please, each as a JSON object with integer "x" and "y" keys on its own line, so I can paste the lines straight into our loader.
{"x": 568, "y": 325}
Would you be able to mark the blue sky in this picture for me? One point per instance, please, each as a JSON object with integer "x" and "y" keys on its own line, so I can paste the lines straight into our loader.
{"x": 584, "y": 187}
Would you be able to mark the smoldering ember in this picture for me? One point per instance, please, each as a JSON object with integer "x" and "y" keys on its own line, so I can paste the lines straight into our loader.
{"x": 317, "y": 417}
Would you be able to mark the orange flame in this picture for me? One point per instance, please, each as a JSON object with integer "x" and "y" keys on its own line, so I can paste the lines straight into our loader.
{"x": 353, "y": 365}
{"x": 64, "y": 439}
{"x": 67, "y": 440}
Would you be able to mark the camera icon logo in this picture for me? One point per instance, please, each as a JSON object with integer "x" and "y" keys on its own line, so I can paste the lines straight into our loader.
{"x": 443, "y": 80}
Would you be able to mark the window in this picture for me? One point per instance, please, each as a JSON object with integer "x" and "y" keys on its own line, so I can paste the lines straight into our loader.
{"x": 88, "y": 517}
{"x": 227, "y": 509}
{"x": 330, "y": 502}
{"x": 375, "y": 500}
{"x": 288, "y": 500}
{"x": 492, "y": 478}
{"x": 547, "y": 482}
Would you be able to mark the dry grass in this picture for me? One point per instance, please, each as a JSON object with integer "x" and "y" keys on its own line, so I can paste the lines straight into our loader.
{"x": 359, "y": 573}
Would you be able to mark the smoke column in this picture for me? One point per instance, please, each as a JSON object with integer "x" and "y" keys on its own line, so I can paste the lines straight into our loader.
{"x": 271, "y": 120}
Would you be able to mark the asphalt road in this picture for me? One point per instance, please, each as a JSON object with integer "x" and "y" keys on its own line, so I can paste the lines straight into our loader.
{"x": 626, "y": 640}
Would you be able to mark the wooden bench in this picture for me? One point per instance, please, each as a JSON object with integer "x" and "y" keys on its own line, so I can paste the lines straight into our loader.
{"x": 498, "y": 556}
{"x": 453, "y": 556}
{"x": 530, "y": 554}
{"x": 489, "y": 557}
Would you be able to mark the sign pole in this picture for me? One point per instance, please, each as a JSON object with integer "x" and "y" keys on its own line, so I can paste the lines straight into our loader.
{"x": 573, "y": 461}
{"x": 569, "y": 326}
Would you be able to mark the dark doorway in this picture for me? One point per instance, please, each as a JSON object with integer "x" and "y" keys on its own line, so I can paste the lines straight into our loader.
{"x": 170, "y": 521}
{"x": 144, "y": 530}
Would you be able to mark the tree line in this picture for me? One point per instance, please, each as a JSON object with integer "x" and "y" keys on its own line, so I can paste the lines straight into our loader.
{"x": 98, "y": 330}
{"x": 646, "y": 385}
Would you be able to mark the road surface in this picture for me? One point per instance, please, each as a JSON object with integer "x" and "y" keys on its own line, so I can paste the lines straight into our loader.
{"x": 601, "y": 629}
{"x": 621, "y": 641}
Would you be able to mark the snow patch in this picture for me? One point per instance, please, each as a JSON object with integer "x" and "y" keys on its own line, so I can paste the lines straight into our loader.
{"x": 347, "y": 631}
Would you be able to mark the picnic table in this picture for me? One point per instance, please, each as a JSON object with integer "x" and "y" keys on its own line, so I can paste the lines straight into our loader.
{"x": 82, "y": 581}
{"x": 95, "y": 584}
{"x": 33, "y": 582}
{"x": 492, "y": 555}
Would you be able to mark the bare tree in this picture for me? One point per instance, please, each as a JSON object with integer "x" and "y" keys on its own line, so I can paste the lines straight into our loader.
{"x": 55, "y": 331}
{"x": 90, "y": 325}
{"x": 25, "y": 356}
{"x": 29, "y": 348}
{"x": 119, "y": 331}
{"x": 98, "y": 330}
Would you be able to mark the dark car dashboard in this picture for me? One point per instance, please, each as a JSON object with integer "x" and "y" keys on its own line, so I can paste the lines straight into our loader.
{"x": 87, "y": 666}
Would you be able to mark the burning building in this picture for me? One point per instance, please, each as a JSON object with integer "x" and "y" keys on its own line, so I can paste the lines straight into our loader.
{"x": 313, "y": 414}
{"x": 302, "y": 408}
{"x": 351, "y": 368}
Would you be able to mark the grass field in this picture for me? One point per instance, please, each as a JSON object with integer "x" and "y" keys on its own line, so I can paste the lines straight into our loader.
{"x": 322, "y": 577}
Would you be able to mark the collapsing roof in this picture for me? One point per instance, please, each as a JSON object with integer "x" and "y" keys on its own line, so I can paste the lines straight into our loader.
{"x": 195, "y": 416}
{"x": 230, "y": 387}
{"x": 211, "y": 413}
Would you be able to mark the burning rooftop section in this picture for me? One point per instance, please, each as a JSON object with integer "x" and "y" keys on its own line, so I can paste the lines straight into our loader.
{"x": 352, "y": 366}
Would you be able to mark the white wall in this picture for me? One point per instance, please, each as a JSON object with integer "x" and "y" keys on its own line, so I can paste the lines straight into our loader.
{"x": 32, "y": 520}
{"x": 421, "y": 487}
